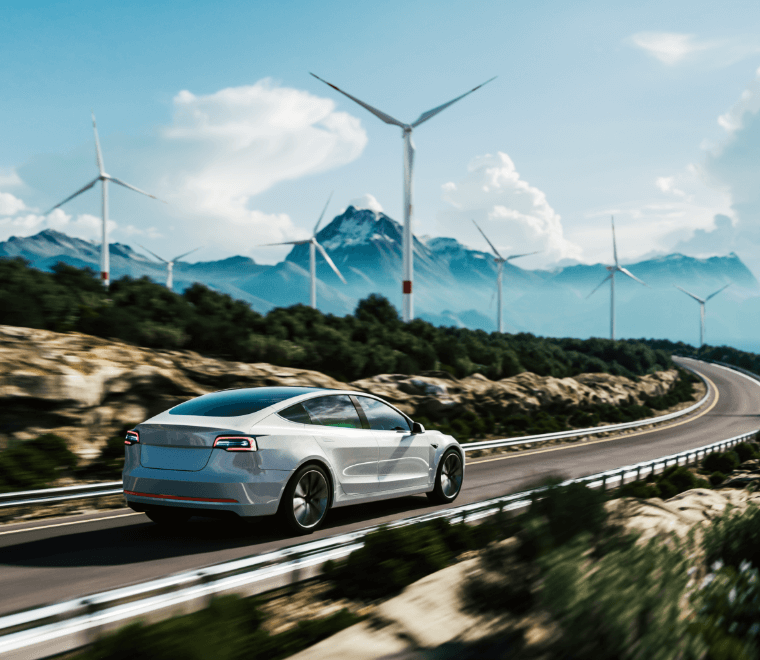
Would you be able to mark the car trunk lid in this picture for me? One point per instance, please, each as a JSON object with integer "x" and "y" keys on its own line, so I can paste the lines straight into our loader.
{"x": 174, "y": 447}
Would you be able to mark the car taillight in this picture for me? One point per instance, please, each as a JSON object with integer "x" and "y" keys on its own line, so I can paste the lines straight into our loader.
{"x": 133, "y": 438}
{"x": 236, "y": 443}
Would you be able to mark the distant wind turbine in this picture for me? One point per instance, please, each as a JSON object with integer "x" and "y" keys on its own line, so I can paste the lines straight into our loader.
{"x": 617, "y": 268}
{"x": 313, "y": 247}
{"x": 169, "y": 265}
{"x": 500, "y": 261}
{"x": 105, "y": 178}
{"x": 408, "y": 241}
{"x": 702, "y": 309}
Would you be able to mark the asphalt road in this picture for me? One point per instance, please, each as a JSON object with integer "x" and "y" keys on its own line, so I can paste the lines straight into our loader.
{"x": 46, "y": 561}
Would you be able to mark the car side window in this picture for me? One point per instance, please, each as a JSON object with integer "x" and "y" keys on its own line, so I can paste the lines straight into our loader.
{"x": 336, "y": 410}
{"x": 382, "y": 417}
{"x": 297, "y": 414}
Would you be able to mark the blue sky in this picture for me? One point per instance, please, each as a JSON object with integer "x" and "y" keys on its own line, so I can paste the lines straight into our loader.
{"x": 648, "y": 111}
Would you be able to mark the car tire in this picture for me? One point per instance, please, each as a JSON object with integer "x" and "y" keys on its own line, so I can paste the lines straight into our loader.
{"x": 169, "y": 517}
{"x": 448, "y": 478}
{"x": 306, "y": 500}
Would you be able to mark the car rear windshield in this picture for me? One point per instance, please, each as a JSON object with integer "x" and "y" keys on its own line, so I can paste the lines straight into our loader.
{"x": 236, "y": 403}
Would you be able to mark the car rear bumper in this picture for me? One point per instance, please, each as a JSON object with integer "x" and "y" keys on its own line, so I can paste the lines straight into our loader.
{"x": 259, "y": 495}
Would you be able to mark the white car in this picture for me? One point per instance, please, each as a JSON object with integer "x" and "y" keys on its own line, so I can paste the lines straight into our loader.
{"x": 293, "y": 451}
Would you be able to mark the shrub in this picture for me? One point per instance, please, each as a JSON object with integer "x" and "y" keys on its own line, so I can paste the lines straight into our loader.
{"x": 641, "y": 489}
{"x": 727, "y": 607}
{"x": 34, "y": 463}
{"x": 734, "y": 538}
{"x": 558, "y": 514}
{"x": 725, "y": 462}
{"x": 717, "y": 478}
{"x": 746, "y": 451}
{"x": 672, "y": 481}
{"x": 394, "y": 557}
{"x": 625, "y": 605}
{"x": 228, "y": 629}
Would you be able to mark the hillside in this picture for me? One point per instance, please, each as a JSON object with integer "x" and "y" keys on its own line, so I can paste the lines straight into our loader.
{"x": 87, "y": 390}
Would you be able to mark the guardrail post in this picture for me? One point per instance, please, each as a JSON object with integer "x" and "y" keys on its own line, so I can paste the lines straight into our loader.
{"x": 638, "y": 472}
{"x": 604, "y": 483}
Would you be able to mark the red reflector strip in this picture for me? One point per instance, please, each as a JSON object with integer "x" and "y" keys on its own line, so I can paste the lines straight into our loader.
{"x": 178, "y": 497}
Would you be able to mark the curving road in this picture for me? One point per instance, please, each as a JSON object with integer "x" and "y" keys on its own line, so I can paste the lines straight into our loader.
{"x": 45, "y": 561}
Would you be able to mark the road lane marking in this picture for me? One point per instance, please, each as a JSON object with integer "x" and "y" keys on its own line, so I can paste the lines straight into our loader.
{"x": 596, "y": 442}
{"x": 64, "y": 524}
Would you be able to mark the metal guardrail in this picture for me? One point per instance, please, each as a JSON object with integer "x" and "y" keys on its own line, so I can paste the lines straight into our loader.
{"x": 65, "y": 626}
{"x": 54, "y": 495}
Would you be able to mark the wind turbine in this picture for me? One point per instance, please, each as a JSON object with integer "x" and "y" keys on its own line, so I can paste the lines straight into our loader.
{"x": 313, "y": 247}
{"x": 500, "y": 261}
{"x": 406, "y": 131}
{"x": 105, "y": 178}
{"x": 617, "y": 268}
{"x": 702, "y": 309}
{"x": 169, "y": 265}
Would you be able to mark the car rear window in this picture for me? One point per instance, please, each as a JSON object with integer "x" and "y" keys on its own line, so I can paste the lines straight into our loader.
{"x": 236, "y": 403}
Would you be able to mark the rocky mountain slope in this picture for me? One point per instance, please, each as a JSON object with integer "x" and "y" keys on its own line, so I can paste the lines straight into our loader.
{"x": 454, "y": 284}
{"x": 87, "y": 389}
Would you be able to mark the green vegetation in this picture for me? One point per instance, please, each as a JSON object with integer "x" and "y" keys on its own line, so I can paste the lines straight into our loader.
{"x": 371, "y": 341}
{"x": 230, "y": 628}
{"x": 394, "y": 557}
{"x": 734, "y": 538}
{"x": 37, "y": 463}
{"x": 555, "y": 417}
{"x": 34, "y": 463}
{"x": 671, "y": 481}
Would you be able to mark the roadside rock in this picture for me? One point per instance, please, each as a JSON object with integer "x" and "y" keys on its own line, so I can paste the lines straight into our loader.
{"x": 87, "y": 389}
{"x": 433, "y": 393}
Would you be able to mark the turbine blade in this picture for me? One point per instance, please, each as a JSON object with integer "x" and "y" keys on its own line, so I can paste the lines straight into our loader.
{"x": 432, "y": 113}
{"x": 495, "y": 251}
{"x": 284, "y": 243}
{"x": 97, "y": 145}
{"x": 717, "y": 292}
{"x": 625, "y": 271}
{"x": 184, "y": 255}
{"x": 126, "y": 185}
{"x": 614, "y": 243}
{"x": 378, "y": 113}
{"x": 316, "y": 227}
{"x": 697, "y": 298}
{"x": 154, "y": 254}
{"x": 330, "y": 262}
{"x": 78, "y": 192}
{"x": 599, "y": 286}
{"x": 517, "y": 256}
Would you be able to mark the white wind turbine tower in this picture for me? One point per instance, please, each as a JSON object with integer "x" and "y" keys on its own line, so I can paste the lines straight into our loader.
{"x": 500, "y": 261}
{"x": 313, "y": 247}
{"x": 617, "y": 268}
{"x": 105, "y": 178}
{"x": 408, "y": 241}
{"x": 169, "y": 265}
{"x": 702, "y": 302}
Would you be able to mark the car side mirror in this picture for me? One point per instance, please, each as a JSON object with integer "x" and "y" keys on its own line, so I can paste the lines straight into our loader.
{"x": 417, "y": 427}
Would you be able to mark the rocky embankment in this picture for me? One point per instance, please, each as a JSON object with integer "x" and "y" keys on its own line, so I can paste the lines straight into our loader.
{"x": 87, "y": 389}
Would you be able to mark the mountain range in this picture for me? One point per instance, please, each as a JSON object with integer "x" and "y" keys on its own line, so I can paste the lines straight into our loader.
{"x": 454, "y": 284}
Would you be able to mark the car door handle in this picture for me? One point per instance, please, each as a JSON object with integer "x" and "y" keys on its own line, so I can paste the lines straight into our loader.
{"x": 434, "y": 445}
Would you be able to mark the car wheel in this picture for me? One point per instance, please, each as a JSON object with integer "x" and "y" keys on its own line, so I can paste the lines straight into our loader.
{"x": 448, "y": 479}
{"x": 306, "y": 500}
{"x": 168, "y": 517}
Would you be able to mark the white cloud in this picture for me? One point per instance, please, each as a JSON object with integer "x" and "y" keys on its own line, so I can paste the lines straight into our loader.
{"x": 366, "y": 202}
{"x": 667, "y": 185}
{"x": 238, "y": 142}
{"x": 748, "y": 104}
{"x": 9, "y": 178}
{"x": 670, "y": 47}
{"x": 515, "y": 215}
{"x": 10, "y": 204}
